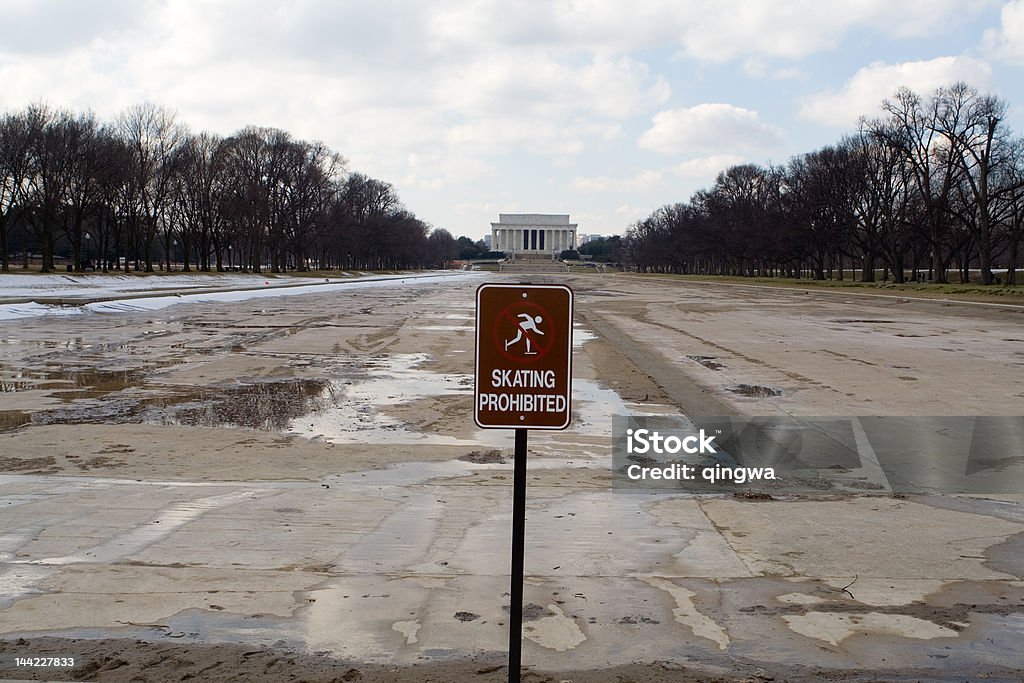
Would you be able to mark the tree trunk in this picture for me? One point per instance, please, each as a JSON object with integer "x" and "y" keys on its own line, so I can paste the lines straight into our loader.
{"x": 167, "y": 250}
{"x": 1011, "y": 267}
{"x": 47, "y": 244}
{"x": 186, "y": 247}
{"x": 985, "y": 252}
{"x": 5, "y": 258}
{"x": 150, "y": 239}
{"x": 936, "y": 269}
{"x": 867, "y": 273}
{"x": 76, "y": 245}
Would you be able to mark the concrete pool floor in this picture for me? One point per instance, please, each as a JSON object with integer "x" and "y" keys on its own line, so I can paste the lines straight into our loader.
{"x": 359, "y": 516}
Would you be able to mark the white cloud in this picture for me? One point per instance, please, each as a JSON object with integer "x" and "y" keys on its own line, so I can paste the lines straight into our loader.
{"x": 1007, "y": 42}
{"x": 32, "y": 28}
{"x": 789, "y": 73}
{"x": 602, "y": 223}
{"x": 641, "y": 181}
{"x": 708, "y": 128}
{"x": 453, "y": 99}
{"x": 760, "y": 68}
{"x": 707, "y": 168}
{"x": 383, "y": 85}
{"x": 474, "y": 208}
{"x": 540, "y": 81}
{"x": 628, "y": 214}
{"x": 862, "y": 95}
{"x": 723, "y": 31}
{"x": 707, "y": 30}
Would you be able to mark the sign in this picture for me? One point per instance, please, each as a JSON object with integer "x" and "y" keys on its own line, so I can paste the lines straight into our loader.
{"x": 523, "y": 357}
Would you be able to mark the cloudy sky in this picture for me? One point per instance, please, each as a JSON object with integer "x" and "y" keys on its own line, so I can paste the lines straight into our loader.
{"x": 603, "y": 109}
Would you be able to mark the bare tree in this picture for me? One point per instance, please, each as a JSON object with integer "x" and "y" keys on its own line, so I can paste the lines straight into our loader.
{"x": 15, "y": 140}
{"x": 83, "y": 186}
{"x": 442, "y": 249}
{"x": 134, "y": 189}
{"x": 112, "y": 180}
{"x": 314, "y": 171}
{"x": 823, "y": 202}
{"x": 201, "y": 188}
{"x": 913, "y": 128}
{"x": 52, "y": 151}
{"x": 155, "y": 139}
{"x": 973, "y": 126}
{"x": 1009, "y": 203}
{"x": 882, "y": 210}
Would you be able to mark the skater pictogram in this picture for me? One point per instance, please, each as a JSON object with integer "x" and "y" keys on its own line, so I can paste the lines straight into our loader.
{"x": 527, "y": 325}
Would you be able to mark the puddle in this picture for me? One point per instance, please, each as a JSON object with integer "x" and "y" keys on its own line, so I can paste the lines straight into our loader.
{"x": 12, "y": 419}
{"x": 755, "y": 390}
{"x": 270, "y": 406}
{"x": 352, "y": 410}
{"x": 707, "y": 361}
{"x": 71, "y": 383}
{"x": 77, "y": 380}
{"x": 12, "y": 385}
{"x": 581, "y": 336}
{"x": 349, "y": 403}
{"x": 266, "y": 405}
{"x": 357, "y": 411}
{"x": 94, "y": 382}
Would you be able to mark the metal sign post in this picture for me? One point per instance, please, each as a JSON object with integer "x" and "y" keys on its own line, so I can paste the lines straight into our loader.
{"x": 523, "y": 381}
{"x": 515, "y": 608}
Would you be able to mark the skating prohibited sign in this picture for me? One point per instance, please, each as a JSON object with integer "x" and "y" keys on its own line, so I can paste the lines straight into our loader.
{"x": 523, "y": 356}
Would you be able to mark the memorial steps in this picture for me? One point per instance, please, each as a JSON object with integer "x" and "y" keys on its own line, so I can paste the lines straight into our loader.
{"x": 533, "y": 265}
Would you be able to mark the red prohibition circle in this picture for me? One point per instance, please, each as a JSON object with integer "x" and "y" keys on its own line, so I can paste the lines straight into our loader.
{"x": 508, "y": 314}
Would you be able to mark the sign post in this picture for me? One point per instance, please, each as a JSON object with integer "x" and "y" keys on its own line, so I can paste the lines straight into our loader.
{"x": 523, "y": 381}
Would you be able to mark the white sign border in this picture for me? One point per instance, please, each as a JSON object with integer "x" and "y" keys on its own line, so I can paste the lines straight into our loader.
{"x": 476, "y": 356}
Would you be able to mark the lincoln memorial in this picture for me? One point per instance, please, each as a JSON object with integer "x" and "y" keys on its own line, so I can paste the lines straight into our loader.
{"x": 533, "y": 234}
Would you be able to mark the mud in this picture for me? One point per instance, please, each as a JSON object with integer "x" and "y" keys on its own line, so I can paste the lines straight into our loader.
{"x": 484, "y": 458}
{"x": 755, "y": 391}
{"x": 707, "y": 361}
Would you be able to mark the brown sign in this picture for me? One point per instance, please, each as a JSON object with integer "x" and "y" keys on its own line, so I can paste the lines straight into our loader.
{"x": 523, "y": 356}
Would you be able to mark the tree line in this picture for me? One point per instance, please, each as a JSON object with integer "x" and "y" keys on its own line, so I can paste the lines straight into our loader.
{"x": 934, "y": 183}
{"x": 141, "y": 190}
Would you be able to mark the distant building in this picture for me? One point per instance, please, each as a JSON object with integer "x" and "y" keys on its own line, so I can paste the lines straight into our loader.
{"x": 533, "y": 234}
{"x": 487, "y": 242}
{"x": 589, "y": 238}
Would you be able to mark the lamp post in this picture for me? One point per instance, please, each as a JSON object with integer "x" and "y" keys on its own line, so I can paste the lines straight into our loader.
{"x": 230, "y": 263}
